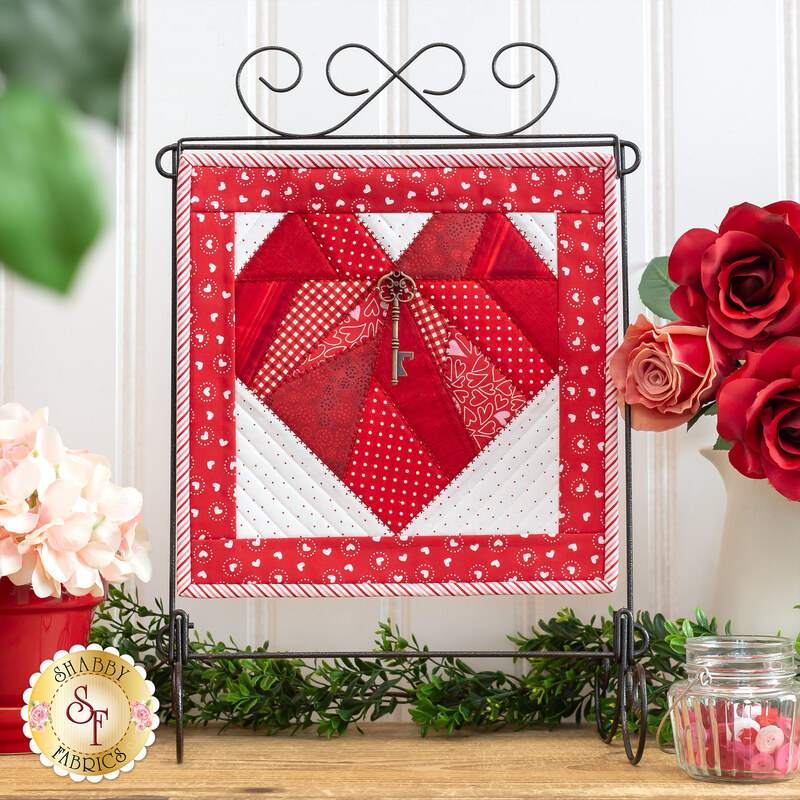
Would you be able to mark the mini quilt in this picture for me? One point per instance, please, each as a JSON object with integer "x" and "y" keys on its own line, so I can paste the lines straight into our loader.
{"x": 391, "y": 374}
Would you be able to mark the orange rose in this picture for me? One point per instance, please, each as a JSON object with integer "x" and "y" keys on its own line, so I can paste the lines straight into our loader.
{"x": 666, "y": 374}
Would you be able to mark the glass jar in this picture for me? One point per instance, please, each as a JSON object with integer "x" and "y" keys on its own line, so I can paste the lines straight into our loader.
{"x": 735, "y": 717}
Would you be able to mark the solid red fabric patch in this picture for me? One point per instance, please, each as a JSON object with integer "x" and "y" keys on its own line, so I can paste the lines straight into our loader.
{"x": 288, "y": 253}
{"x": 323, "y": 405}
{"x": 422, "y": 398}
{"x": 522, "y": 301}
{"x": 260, "y": 307}
{"x": 503, "y": 253}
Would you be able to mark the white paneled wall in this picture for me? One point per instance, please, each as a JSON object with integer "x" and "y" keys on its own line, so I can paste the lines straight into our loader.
{"x": 709, "y": 89}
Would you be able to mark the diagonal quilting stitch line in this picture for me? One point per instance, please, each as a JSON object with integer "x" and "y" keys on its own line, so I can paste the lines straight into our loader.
{"x": 374, "y": 238}
{"x": 488, "y": 466}
{"x": 256, "y": 456}
{"x": 546, "y": 505}
{"x": 245, "y": 515}
{"x": 477, "y": 242}
{"x": 244, "y": 222}
{"x": 364, "y": 402}
{"x": 538, "y": 446}
{"x": 249, "y": 399}
{"x": 551, "y": 496}
{"x": 406, "y": 421}
{"x": 516, "y": 329}
{"x": 514, "y": 219}
{"x": 392, "y": 232}
{"x": 447, "y": 387}
{"x": 484, "y": 453}
{"x": 242, "y": 520}
{"x": 486, "y": 285}
{"x": 253, "y": 457}
{"x": 330, "y": 527}
{"x": 250, "y": 462}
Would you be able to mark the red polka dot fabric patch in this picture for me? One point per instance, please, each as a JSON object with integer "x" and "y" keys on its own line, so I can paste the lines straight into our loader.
{"x": 390, "y": 469}
{"x": 468, "y": 306}
{"x": 391, "y": 374}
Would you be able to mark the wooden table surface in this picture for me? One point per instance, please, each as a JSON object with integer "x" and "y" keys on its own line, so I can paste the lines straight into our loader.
{"x": 390, "y": 761}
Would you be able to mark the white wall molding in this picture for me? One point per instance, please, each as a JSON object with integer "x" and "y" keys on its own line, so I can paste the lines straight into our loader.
{"x": 788, "y": 45}
{"x": 660, "y": 235}
{"x": 132, "y": 161}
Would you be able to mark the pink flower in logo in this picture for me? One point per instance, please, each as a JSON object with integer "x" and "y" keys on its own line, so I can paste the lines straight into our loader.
{"x": 141, "y": 715}
{"x": 39, "y": 715}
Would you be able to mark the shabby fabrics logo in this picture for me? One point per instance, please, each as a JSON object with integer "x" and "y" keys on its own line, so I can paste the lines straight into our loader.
{"x": 90, "y": 713}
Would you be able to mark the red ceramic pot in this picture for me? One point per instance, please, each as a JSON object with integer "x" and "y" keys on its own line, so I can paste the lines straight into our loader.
{"x": 32, "y": 630}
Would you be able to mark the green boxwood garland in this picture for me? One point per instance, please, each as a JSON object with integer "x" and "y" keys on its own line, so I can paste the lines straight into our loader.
{"x": 442, "y": 694}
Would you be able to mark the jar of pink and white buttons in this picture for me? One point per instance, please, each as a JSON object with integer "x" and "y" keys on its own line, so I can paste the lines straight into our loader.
{"x": 735, "y": 717}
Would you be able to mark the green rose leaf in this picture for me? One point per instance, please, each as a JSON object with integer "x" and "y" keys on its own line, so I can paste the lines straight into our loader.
{"x": 705, "y": 411}
{"x": 656, "y": 287}
{"x": 50, "y": 203}
{"x": 74, "y": 49}
{"x": 722, "y": 444}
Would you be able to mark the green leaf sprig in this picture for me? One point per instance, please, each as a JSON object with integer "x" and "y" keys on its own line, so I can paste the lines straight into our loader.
{"x": 441, "y": 694}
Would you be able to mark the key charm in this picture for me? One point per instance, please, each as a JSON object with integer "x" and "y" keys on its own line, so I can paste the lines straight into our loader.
{"x": 396, "y": 287}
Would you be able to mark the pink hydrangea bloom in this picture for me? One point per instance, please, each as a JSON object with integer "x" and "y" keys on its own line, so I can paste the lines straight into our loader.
{"x": 63, "y": 524}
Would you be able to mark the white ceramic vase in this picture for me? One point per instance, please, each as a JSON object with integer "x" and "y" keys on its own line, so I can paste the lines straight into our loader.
{"x": 758, "y": 572}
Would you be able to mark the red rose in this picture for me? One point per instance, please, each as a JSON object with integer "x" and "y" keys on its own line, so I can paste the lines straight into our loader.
{"x": 743, "y": 282}
{"x": 666, "y": 374}
{"x": 759, "y": 412}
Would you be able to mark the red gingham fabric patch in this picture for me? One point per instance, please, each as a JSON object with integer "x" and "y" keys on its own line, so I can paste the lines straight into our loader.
{"x": 362, "y": 323}
{"x": 317, "y": 307}
{"x": 432, "y": 326}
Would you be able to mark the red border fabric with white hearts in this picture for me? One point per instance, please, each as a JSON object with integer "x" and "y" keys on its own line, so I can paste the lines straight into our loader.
{"x": 211, "y": 189}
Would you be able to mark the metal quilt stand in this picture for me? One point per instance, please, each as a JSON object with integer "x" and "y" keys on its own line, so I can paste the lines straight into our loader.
{"x": 173, "y": 639}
